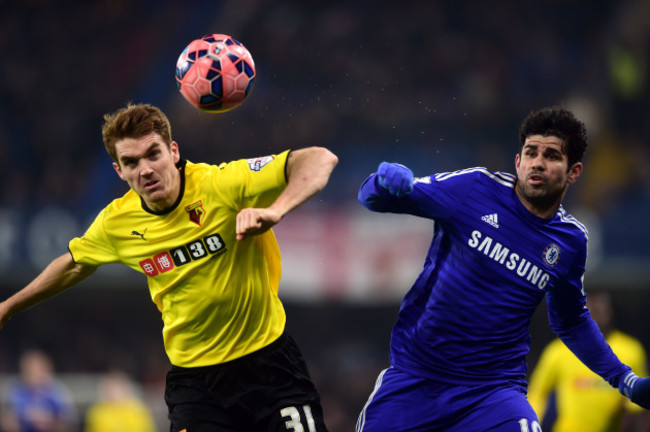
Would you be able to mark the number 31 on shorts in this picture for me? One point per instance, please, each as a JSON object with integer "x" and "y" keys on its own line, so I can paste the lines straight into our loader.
{"x": 295, "y": 423}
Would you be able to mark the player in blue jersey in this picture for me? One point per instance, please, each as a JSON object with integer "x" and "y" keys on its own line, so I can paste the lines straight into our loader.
{"x": 38, "y": 401}
{"x": 501, "y": 244}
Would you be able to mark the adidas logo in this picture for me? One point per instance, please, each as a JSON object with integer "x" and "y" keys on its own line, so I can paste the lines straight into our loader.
{"x": 492, "y": 219}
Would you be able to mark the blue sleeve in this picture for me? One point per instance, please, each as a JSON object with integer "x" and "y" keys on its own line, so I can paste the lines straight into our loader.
{"x": 586, "y": 341}
{"x": 374, "y": 197}
{"x": 571, "y": 321}
{"x": 430, "y": 198}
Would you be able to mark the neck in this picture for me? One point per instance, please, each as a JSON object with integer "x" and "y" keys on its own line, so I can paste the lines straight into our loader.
{"x": 161, "y": 206}
{"x": 543, "y": 207}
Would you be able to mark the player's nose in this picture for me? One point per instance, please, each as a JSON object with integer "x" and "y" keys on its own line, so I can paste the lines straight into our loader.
{"x": 145, "y": 169}
{"x": 537, "y": 164}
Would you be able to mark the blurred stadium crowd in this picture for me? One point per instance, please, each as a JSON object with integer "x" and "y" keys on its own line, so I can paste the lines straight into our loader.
{"x": 436, "y": 85}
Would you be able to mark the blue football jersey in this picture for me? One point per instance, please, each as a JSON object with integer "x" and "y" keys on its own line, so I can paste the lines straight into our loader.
{"x": 491, "y": 261}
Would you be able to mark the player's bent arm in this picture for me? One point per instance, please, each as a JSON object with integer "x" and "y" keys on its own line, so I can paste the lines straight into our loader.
{"x": 308, "y": 171}
{"x": 60, "y": 274}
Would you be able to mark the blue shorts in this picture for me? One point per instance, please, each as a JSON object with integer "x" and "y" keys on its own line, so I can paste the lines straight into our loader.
{"x": 401, "y": 402}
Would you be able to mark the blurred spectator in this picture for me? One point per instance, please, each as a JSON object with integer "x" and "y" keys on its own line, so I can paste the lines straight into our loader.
{"x": 38, "y": 402}
{"x": 119, "y": 408}
{"x": 568, "y": 397}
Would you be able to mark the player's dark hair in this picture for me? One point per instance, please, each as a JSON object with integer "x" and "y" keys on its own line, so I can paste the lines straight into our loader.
{"x": 134, "y": 121}
{"x": 558, "y": 122}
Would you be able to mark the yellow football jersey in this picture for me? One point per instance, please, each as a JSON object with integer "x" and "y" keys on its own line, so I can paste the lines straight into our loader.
{"x": 585, "y": 401}
{"x": 218, "y": 297}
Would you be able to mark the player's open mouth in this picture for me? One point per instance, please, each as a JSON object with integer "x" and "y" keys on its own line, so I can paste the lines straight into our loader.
{"x": 151, "y": 185}
{"x": 536, "y": 179}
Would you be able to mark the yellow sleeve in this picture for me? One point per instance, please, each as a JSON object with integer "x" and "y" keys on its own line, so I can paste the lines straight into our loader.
{"x": 255, "y": 182}
{"x": 94, "y": 247}
{"x": 544, "y": 379}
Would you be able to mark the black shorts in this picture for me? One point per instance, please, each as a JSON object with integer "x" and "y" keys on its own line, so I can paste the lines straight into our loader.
{"x": 269, "y": 390}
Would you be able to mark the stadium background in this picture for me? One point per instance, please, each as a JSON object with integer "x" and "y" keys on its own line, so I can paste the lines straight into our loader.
{"x": 436, "y": 85}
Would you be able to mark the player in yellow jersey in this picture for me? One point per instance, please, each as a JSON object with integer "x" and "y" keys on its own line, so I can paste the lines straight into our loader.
{"x": 202, "y": 236}
{"x": 119, "y": 407}
{"x": 569, "y": 397}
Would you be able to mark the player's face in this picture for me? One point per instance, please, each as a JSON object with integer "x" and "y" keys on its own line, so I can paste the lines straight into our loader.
{"x": 149, "y": 167}
{"x": 543, "y": 174}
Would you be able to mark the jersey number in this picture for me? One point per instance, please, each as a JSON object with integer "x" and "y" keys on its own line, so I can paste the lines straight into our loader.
{"x": 534, "y": 426}
{"x": 295, "y": 423}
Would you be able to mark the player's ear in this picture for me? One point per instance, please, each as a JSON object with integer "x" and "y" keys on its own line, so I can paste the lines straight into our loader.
{"x": 176, "y": 154}
{"x": 517, "y": 161}
{"x": 574, "y": 172}
{"x": 117, "y": 169}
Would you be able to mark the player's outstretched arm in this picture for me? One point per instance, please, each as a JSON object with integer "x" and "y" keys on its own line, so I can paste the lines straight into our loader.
{"x": 60, "y": 274}
{"x": 637, "y": 389}
{"x": 587, "y": 342}
{"x": 308, "y": 171}
{"x": 391, "y": 180}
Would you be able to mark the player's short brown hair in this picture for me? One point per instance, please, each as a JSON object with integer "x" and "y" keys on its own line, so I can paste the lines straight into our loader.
{"x": 134, "y": 121}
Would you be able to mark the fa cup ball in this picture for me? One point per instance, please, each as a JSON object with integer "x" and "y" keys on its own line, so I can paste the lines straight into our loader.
{"x": 215, "y": 73}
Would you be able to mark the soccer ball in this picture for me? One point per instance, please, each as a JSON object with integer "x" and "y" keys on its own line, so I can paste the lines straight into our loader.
{"x": 215, "y": 73}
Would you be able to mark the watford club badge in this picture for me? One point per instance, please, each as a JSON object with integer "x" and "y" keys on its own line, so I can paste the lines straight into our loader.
{"x": 196, "y": 212}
